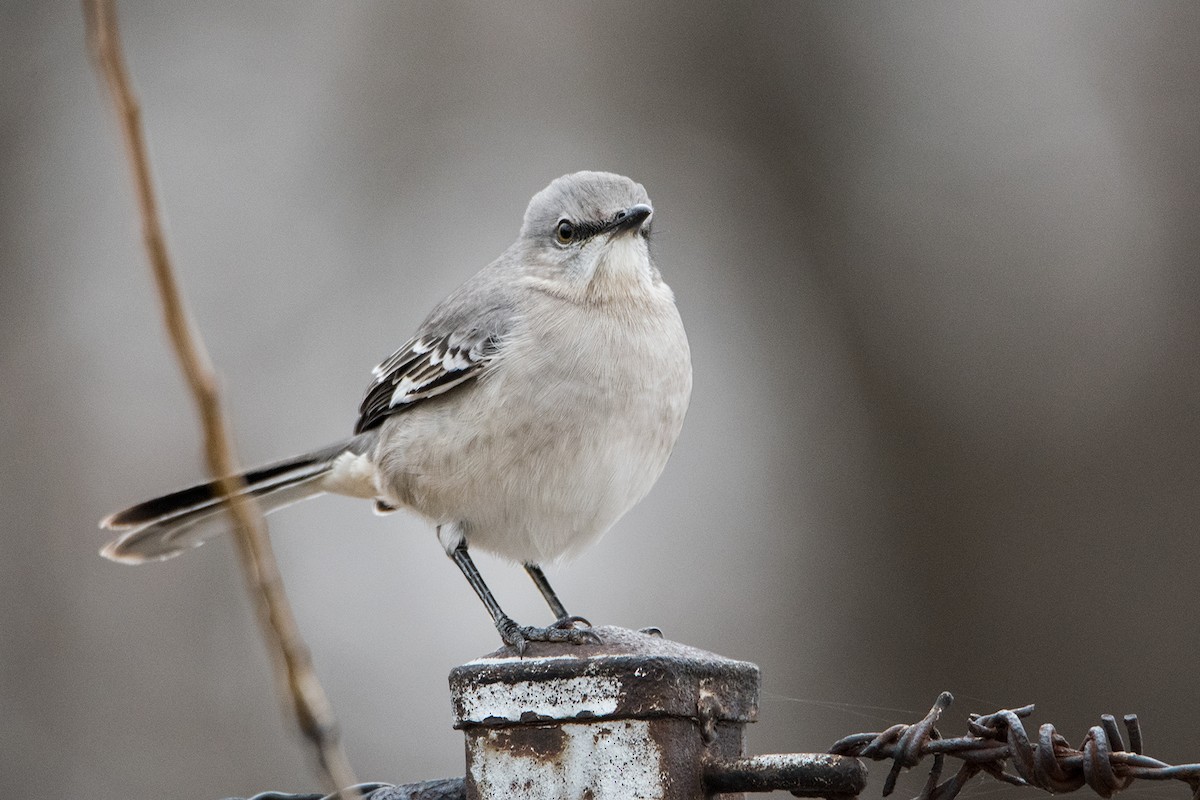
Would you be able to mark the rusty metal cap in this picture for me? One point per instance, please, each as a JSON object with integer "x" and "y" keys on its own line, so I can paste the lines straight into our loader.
{"x": 630, "y": 675}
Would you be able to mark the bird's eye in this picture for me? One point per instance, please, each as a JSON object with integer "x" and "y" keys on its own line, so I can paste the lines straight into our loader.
{"x": 565, "y": 232}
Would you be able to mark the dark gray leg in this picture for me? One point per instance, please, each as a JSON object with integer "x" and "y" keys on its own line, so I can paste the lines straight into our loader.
{"x": 563, "y": 619}
{"x": 543, "y": 585}
{"x": 514, "y": 635}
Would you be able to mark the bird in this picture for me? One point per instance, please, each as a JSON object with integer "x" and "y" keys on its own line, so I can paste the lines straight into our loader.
{"x": 534, "y": 406}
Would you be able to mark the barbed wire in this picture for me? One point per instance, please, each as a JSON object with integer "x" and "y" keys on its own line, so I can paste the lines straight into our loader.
{"x": 996, "y": 740}
{"x": 994, "y": 744}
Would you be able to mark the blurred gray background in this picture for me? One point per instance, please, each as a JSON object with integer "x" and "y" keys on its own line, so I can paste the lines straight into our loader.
{"x": 937, "y": 262}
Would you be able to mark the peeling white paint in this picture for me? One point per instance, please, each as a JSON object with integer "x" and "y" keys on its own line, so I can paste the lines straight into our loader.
{"x": 508, "y": 660}
{"x": 612, "y": 760}
{"x": 561, "y": 698}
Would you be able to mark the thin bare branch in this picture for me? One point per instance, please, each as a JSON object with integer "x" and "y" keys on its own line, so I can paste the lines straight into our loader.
{"x": 294, "y": 671}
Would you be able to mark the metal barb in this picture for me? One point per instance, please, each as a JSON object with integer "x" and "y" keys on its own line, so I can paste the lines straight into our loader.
{"x": 997, "y": 742}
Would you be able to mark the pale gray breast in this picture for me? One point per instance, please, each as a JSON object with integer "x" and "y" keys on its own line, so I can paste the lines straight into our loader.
{"x": 569, "y": 426}
{"x": 608, "y": 393}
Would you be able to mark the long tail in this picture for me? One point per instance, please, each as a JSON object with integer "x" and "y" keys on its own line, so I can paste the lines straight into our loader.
{"x": 167, "y": 526}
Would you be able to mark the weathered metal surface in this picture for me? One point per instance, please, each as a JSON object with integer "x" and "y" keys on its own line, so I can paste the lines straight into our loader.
{"x": 630, "y": 675}
{"x": 616, "y": 758}
{"x": 636, "y": 717}
{"x": 633, "y": 718}
{"x": 802, "y": 774}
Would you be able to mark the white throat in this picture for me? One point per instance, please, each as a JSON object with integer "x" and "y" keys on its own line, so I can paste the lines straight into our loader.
{"x": 622, "y": 268}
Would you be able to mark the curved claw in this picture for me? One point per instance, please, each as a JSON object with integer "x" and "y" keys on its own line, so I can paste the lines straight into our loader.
{"x": 580, "y": 627}
{"x": 512, "y": 635}
{"x": 587, "y": 636}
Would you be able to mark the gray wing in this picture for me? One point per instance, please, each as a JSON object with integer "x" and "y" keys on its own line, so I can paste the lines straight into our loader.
{"x": 425, "y": 367}
{"x": 455, "y": 345}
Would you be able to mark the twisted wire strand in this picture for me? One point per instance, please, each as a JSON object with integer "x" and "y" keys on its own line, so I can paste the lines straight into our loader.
{"x": 998, "y": 742}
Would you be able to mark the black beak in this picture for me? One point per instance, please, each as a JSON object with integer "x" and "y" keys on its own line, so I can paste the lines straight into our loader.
{"x": 630, "y": 219}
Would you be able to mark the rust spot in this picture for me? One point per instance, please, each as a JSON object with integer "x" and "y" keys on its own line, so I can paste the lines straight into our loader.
{"x": 680, "y": 746}
{"x": 542, "y": 742}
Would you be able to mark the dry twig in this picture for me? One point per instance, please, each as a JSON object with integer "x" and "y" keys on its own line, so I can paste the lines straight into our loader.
{"x": 293, "y": 662}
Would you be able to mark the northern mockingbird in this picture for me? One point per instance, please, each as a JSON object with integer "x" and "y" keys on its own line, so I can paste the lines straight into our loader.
{"x": 534, "y": 407}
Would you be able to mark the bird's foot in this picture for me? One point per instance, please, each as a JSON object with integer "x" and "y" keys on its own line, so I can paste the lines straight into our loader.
{"x": 572, "y": 630}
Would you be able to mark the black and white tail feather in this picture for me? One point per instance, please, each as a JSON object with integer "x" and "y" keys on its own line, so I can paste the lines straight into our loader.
{"x": 169, "y": 525}
{"x": 427, "y": 366}
{"x": 445, "y": 355}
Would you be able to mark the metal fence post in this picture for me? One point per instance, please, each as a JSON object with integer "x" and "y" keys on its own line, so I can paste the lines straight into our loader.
{"x": 637, "y": 717}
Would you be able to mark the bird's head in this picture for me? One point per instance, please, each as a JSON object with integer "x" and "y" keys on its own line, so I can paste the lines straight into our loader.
{"x": 588, "y": 234}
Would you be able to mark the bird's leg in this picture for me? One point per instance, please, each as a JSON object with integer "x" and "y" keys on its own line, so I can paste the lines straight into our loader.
{"x": 562, "y": 618}
{"x": 543, "y": 585}
{"x": 514, "y": 635}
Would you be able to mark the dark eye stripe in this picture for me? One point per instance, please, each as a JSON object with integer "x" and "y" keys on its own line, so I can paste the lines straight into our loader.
{"x": 579, "y": 231}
